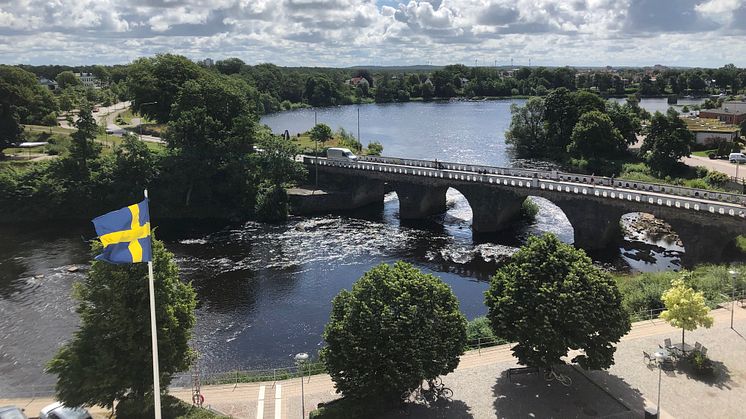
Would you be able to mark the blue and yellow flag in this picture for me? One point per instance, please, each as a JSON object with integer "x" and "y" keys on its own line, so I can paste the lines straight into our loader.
{"x": 125, "y": 234}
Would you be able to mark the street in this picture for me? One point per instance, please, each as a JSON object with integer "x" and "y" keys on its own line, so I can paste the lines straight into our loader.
{"x": 723, "y": 166}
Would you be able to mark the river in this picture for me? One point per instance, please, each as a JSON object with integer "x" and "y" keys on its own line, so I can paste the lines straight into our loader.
{"x": 265, "y": 290}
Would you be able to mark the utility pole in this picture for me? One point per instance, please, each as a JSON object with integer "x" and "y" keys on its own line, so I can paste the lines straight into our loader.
{"x": 359, "y": 140}
{"x": 317, "y": 155}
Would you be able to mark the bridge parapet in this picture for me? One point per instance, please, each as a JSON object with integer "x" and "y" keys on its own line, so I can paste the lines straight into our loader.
{"x": 700, "y": 201}
{"x": 568, "y": 177}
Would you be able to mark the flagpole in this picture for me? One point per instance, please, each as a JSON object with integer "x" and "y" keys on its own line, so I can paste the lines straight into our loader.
{"x": 154, "y": 336}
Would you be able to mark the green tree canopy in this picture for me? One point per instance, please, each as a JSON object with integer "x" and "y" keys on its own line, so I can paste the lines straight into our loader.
{"x": 109, "y": 356}
{"x": 595, "y": 138}
{"x": 685, "y": 308}
{"x": 67, "y": 79}
{"x": 22, "y": 100}
{"x": 667, "y": 141}
{"x": 159, "y": 79}
{"x": 321, "y": 133}
{"x": 394, "y": 328}
{"x": 550, "y": 299}
{"x": 527, "y": 133}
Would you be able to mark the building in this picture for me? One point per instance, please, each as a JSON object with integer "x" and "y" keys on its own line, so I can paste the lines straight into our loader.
{"x": 731, "y": 112}
{"x": 50, "y": 84}
{"x": 88, "y": 79}
{"x": 710, "y": 131}
{"x": 209, "y": 62}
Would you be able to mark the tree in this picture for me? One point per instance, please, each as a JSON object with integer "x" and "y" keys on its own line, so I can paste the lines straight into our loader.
{"x": 159, "y": 79}
{"x": 667, "y": 141}
{"x": 83, "y": 147}
{"x": 551, "y": 299}
{"x": 625, "y": 120}
{"x": 321, "y": 133}
{"x": 109, "y": 356}
{"x": 22, "y": 100}
{"x": 595, "y": 138}
{"x": 67, "y": 79}
{"x": 394, "y": 328}
{"x": 685, "y": 308}
{"x": 527, "y": 133}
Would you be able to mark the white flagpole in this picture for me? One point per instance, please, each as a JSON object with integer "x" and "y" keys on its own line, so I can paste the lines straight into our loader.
{"x": 154, "y": 335}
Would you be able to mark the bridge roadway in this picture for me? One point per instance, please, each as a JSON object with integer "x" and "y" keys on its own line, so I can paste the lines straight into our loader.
{"x": 706, "y": 221}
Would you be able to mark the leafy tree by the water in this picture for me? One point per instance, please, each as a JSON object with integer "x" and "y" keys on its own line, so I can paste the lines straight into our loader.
{"x": 594, "y": 138}
{"x": 667, "y": 141}
{"x": 527, "y": 132}
{"x": 394, "y": 328}
{"x": 109, "y": 356}
{"x": 550, "y": 299}
{"x": 685, "y": 308}
{"x": 321, "y": 133}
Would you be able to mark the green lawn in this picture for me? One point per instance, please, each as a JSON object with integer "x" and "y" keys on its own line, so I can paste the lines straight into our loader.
{"x": 704, "y": 153}
{"x": 42, "y": 128}
{"x": 128, "y": 115}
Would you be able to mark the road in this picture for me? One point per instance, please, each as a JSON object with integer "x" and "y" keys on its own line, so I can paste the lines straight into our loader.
{"x": 109, "y": 115}
{"x": 723, "y": 166}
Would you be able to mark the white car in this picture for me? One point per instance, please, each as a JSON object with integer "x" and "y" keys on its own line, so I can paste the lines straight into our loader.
{"x": 11, "y": 412}
{"x": 59, "y": 411}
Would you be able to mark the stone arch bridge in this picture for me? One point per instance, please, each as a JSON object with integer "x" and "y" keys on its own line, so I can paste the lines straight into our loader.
{"x": 707, "y": 222}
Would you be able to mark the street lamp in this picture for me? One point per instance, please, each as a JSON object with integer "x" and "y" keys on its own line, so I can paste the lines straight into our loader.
{"x": 300, "y": 359}
{"x": 658, "y": 409}
{"x": 733, "y": 273}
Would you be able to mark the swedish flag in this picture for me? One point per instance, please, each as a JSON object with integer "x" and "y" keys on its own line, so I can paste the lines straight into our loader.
{"x": 125, "y": 234}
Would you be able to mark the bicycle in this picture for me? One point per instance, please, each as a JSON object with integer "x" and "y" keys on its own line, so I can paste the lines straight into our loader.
{"x": 550, "y": 374}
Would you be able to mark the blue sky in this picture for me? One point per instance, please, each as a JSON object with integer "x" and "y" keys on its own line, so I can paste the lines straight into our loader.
{"x": 384, "y": 32}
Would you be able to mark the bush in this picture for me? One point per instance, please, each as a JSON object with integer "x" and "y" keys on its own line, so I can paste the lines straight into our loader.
{"x": 700, "y": 362}
{"x": 697, "y": 183}
{"x": 529, "y": 209}
{"x": 479, "y": 329}
{"x": 271, "y": 203}
{"x": 375, "y": 148}
{"x": 717, "y": 179}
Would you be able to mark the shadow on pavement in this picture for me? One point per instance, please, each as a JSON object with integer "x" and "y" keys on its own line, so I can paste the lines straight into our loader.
{"x": 530, "y": 395}
{"x": 455, "y": 409}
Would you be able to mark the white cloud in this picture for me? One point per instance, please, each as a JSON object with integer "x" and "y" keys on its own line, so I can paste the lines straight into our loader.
{"x": 354, "y": 32}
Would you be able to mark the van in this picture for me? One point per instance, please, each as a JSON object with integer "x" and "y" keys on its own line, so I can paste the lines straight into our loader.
{"x": 737, "y": 158}
{"x": 340, "y": 154}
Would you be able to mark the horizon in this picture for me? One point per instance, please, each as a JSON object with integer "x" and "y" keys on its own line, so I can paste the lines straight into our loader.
{"x": 345, "y": 33}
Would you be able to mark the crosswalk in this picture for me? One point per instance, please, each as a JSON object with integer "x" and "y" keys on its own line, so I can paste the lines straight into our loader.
{"x": 271, "y": 408}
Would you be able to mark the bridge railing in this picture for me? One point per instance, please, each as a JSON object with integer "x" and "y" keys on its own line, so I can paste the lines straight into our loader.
{"x": 566, "y": 177}
{"x": 497, "y": 176}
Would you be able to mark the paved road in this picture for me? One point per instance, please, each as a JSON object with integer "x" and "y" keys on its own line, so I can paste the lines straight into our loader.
{"x": 723, "y": 166}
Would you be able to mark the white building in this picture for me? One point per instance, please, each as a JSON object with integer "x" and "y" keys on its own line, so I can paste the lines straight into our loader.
{"x": 88, "y": 79}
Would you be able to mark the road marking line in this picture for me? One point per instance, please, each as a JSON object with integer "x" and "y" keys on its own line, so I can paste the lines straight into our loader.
{"x": 260, "y": 404}
{"x": 278, "y": 401}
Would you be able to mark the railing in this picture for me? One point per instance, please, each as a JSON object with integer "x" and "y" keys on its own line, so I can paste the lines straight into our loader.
{"x": 545, "y": 181}
{"x": 569, "y": 177}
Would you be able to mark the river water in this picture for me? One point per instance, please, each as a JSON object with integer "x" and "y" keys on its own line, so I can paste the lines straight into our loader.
{"x": 265, "y": 290}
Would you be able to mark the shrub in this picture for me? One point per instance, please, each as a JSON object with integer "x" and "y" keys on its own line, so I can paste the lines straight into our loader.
{"x": 375, "y": 148}
{"x": 271, "y": 203}
{"x": 529, "y": 209}
{"x": 701, "y": 364}
{"x": 479, "y": 329}
{"x": 717, "y": 179}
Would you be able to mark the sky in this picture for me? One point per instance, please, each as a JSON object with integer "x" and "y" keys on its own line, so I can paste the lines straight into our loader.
{"x": 342, "y": 33}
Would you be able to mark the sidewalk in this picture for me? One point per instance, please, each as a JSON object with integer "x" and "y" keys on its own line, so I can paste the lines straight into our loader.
{"x": 482, "y": 389}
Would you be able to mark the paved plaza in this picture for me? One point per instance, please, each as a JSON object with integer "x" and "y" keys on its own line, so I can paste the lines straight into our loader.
{"x": 482, "y": 388}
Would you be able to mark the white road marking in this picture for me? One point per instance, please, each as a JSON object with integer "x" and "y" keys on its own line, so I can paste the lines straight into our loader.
{"x": 278, "y": 401}
{"x": 260, "y": 404}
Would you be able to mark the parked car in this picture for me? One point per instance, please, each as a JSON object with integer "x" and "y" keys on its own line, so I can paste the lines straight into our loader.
{"x": 109, "y": 131}
{"x": 340, "y": 154}
{"x": 59, "y": 411}
{"x": 11, "y": 412}
{"x": 737, "y": 158}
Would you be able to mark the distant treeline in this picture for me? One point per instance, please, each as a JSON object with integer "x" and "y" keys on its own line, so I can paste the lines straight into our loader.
{"x": 280, "y": 88}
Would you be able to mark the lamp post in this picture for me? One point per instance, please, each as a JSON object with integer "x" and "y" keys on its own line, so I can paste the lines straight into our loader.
{"x": 316, "y": 152}
{"x": 658, "y": 409}
{"x": 300, "y": 359}
{"x": 733, "y": 273}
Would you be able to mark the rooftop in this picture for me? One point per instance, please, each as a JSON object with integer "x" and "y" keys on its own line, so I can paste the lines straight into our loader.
{"x": 696, "y": 124}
